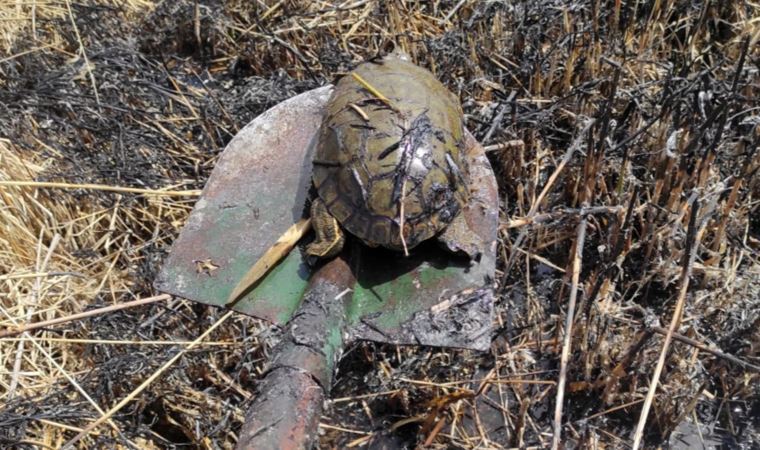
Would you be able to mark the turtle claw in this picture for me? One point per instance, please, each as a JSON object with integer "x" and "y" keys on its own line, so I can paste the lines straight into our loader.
{"x": 458, "y": 237}
{"x": 329, "y": 237}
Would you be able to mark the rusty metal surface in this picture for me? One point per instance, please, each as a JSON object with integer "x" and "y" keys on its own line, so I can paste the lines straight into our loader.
{"x": 256, "y": 191}
{"x": 285, "y": 413}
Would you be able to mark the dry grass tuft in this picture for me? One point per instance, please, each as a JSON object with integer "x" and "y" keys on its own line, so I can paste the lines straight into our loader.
{"x": 617, "y": 115}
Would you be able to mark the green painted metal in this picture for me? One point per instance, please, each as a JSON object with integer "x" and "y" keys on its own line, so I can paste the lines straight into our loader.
{"x": 280, "y": 293}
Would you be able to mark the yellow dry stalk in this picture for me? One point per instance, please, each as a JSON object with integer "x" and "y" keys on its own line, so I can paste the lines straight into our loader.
{"x": 32, "y": 222}
{"x": 20, "y": 19}
{"x": 271, "y": 257}
{"x": 372, "y": 90}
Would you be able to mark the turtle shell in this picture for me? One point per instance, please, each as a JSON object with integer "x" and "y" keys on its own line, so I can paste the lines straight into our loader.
{"x": 376, "y": 159}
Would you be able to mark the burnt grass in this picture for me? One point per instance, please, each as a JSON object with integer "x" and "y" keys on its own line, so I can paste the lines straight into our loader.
{"x": 638, "y": 115}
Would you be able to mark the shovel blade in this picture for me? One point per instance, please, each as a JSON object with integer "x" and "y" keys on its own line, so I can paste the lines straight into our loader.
{"x": 254, "y": 194}
{"x": 258, "y": 189}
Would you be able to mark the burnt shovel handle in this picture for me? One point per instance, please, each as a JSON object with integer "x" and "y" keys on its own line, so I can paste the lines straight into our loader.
{"x": 285, "y": 413}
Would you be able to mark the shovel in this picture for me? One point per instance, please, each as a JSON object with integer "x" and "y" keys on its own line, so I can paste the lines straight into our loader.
{"x": 256, "y": 192}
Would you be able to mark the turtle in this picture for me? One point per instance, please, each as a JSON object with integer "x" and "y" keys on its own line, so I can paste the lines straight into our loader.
{"x": 390, "y": 165}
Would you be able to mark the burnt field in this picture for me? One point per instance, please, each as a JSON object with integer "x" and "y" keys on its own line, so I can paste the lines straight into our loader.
{"x": 624, "y": 139}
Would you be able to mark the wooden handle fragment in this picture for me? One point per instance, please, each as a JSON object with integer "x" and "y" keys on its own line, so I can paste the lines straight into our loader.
{"x": 285, "y": 413}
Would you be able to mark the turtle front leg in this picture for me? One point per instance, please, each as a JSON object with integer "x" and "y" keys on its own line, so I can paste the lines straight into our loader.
{"x": 458, "y": 237}
{"x": 330, "y": 237}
